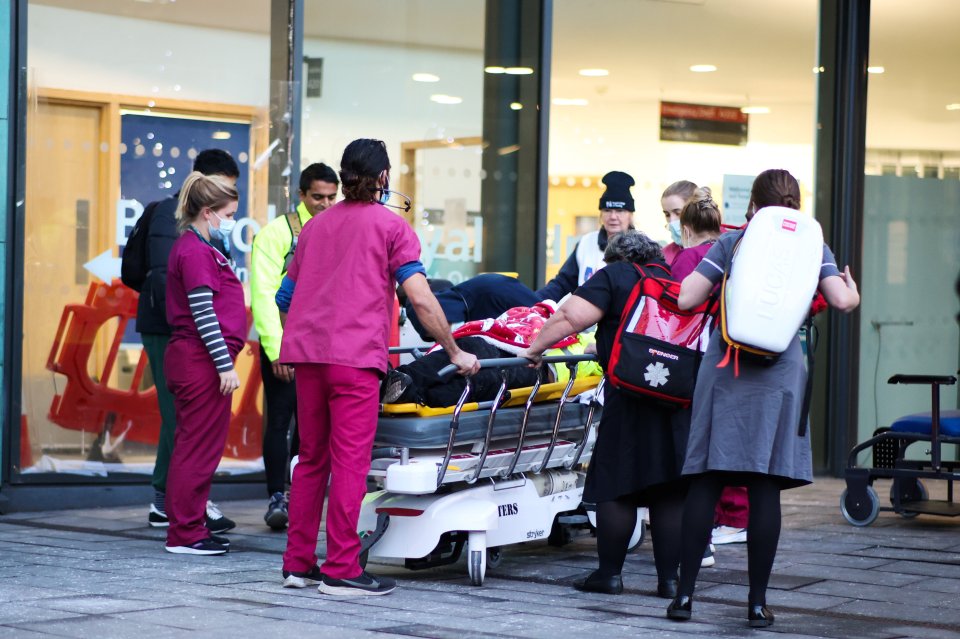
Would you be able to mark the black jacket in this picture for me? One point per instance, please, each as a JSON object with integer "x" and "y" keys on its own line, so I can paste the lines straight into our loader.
{"x": 568, "y": 278}
{"x": 152, "y": 307}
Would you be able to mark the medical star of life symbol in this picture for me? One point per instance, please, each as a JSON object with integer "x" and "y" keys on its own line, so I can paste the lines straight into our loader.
{"x": 656, "y": 374}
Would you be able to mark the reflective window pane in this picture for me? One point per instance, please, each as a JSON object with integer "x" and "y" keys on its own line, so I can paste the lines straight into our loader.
{"x": 122, "y": 97}
{"x": 669, "y": 91}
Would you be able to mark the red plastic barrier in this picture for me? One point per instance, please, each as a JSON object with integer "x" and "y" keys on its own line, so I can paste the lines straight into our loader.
{"x": 89, "y": 404}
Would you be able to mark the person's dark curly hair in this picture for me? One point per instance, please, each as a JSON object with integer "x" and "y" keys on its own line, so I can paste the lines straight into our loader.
{"x": 632, "y": 246}
{"x": 360, "y": 168}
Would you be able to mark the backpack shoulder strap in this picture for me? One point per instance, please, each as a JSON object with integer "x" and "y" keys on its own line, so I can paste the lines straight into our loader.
{"x": 293, "y": 221}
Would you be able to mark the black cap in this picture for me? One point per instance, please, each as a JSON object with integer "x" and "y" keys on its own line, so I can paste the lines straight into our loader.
{"x": 617, "y": 195}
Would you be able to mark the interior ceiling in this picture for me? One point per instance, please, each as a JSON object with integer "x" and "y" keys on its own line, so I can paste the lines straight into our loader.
{"x": 764, "y": 49}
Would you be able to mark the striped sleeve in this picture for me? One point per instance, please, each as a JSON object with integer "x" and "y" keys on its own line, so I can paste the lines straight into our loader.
{"x": 201, "y": 307}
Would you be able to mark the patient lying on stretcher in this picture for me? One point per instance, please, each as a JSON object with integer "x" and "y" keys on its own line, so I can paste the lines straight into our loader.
{"x": 505, "y": 336}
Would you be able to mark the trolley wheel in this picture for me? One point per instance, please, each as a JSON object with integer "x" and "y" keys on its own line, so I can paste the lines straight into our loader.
{"x": 476, "y": 567}
{"x": 494, "y": 557}
{"x": 860, "y": 509}
{"x": 639, "y": 534}
{"x": 559, "y": 535}
{"x": 910, "y": 489}
{"x": 477, "y": 557}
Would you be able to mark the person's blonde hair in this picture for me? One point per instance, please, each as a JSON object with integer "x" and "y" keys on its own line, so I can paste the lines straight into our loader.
{"x": 201, "y": 191}
{"x": 701, "y": 214}
{"x": 683, "y": 188}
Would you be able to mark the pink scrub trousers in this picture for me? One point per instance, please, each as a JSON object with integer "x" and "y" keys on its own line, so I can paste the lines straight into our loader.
{"x": 733, "y": 508}
{"x": 337, "y": 416}
{"x": 203, "y": 419}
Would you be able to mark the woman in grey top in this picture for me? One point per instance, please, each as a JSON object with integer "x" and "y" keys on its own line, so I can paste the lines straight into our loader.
{"x": 744, "y": 429}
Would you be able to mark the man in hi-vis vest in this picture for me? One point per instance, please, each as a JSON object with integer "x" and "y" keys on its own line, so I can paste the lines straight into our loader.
{"x": 272, "y": 251}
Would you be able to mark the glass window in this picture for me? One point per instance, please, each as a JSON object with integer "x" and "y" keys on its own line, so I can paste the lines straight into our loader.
{"x": 911, "y": 229}
{"x": 122, "y": 98}
{"x": 411, "y": 74}
{"x": 669, "y": 91}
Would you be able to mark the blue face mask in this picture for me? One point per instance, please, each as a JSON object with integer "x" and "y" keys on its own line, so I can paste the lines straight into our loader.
{"x": 223, "y": 232}
{"x": 675, "y": 232}
{"x": 385, "y": 193}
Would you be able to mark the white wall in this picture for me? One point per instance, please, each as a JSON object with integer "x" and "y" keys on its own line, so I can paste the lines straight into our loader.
{"x": 368, "y": 92}
{"x": 112, "y": 54}
{"x": 594, "y": 140}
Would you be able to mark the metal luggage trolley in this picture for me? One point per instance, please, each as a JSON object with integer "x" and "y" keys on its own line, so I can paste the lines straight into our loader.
{"x": 482, "y": 475}
{"x": 860, "y": 503}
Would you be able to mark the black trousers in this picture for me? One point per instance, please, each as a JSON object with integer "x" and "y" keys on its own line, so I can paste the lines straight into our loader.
{"x": 436, "y": 392}
{"x": 280, "y": 439}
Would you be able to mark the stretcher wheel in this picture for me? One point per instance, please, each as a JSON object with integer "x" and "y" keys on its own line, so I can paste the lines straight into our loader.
{"x": 860, "y": 508}
{"x": 910, "y": 489}
{"x": 476, "y": 567}
{"x": 494, "y": 557}
{"x": 639, "y": 534}
{"x": 477, "y": 557}
{"x": 560, "y": 535}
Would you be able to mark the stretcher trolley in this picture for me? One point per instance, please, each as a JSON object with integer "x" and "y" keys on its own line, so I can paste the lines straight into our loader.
{"x": 482, "y": 475}
{"x": 860, "y": 503}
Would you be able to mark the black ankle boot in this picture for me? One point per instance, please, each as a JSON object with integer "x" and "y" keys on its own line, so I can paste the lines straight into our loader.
{"x": 680, "y": 608}
{"x": 595, "y": 583}
{"x": 758, "y": 616}
{"x": 667, "y": 588}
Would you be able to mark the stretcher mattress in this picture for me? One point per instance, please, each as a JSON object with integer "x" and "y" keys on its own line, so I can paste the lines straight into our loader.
{"x": 432, "y": 432}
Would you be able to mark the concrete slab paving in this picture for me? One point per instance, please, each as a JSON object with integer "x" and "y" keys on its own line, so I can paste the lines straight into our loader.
{"x": 103, "y": 573}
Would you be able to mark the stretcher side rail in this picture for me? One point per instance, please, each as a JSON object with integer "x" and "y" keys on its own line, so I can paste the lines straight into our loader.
{"x": 501, "y": 363}
{"x": 588, "y": 425}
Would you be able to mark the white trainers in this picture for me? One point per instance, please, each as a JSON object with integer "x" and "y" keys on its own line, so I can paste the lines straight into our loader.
{"x": 728, "y": 535}
{"x": 708, "y": 559}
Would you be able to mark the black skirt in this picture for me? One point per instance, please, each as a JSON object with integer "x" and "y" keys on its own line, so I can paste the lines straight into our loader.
{"x": 640, "y": 448}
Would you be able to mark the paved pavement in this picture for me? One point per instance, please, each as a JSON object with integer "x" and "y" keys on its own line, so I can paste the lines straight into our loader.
{"x": 102, "y": 573}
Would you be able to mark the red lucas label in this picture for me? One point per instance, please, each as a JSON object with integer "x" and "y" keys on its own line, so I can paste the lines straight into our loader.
{"x": 789, "y": 225}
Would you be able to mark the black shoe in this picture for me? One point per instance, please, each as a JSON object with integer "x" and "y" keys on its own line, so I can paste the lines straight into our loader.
{"x": 363, "y": 585}
{"x": 397, "y": 388}
{"x": 595, "y": 583}
{"x": 277, "y": 515}
{"x": 680, "y": 608}
{"x": 295, "y": 579}
{"x": 203, "y": 547}
{"x": 759, "y": 617}
{"x": 157, "y": 518}
{"x": 667, "y": 588}
{"x": 216, "y": 522}
{"x": 220, "y": 539}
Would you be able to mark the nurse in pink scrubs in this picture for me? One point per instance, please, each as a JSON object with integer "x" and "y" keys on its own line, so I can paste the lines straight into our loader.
{"x": 338, "y": 293}
{"x": 207, "y": 317}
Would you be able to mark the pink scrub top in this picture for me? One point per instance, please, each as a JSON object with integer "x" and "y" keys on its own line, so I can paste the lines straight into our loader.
{"x": 194, "y": 263}
{"x": 670, "y": 252}
{"x": 344, "y": 268}
{"x": 686, "y": 260}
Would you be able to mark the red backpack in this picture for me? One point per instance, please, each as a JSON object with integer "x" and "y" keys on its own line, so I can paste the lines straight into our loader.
{"x": 657, "y": 349}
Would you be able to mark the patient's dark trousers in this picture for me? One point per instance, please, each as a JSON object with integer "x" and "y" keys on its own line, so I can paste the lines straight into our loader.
{"x": 437, "y": 392}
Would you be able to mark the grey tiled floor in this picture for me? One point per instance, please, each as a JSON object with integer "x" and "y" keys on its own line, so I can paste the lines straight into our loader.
{"x": 103, "y": 573}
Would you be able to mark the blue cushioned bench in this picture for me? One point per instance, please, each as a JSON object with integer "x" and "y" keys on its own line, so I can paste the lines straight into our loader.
{"x": 923, "y": 423}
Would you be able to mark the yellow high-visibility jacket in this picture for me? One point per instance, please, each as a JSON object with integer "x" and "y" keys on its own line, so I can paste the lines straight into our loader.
{"x": 270, "y": 248}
